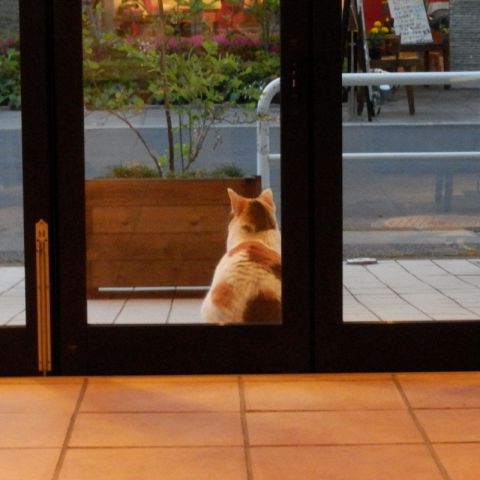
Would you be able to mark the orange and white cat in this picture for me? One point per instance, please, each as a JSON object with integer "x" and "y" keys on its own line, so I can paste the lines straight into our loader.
{"x": 246, "y": 286}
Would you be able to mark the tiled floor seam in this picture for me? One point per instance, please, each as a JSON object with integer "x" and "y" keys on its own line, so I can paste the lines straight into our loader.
{"x": 435, "y": 262}
{"x": 154, "y": 412}
{"x": 246, "y": 437}
{"x": 170, "y": 307}
{"x": 11, "y": 287}
{"x": 126, "y": 299}
{"x": 173, "y": 446}
{"x": 475, "y": 315}
{"x": 115, "y": 318}
{"x": 399, "y": 296}
{"x": 442, "y": 470}
{"x": 71, "y": 426}
{"x": 12, "y": 319}
{"x": 362, "y": 304}
{"x": 456, "y": 275}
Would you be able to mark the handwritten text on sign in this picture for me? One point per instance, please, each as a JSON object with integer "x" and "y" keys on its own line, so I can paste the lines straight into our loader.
{"x": 410, "y": 21}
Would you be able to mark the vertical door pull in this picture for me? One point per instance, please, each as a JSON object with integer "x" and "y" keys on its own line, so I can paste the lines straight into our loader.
{"x": 43, "y": 298}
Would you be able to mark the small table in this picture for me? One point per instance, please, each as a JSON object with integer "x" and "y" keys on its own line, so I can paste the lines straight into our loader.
{"x": 426, "y": 48}
{"x": 407, "y": 63}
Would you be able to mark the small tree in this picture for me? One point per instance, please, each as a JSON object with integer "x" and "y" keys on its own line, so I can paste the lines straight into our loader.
{"x": 198, "y": 82}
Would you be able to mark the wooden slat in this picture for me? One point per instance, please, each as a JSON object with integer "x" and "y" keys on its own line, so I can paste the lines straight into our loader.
{"x": 148, "y": 273}
{"x": 146, "y": 192}
{"x": 158, "y": 219}
{"x": 174, "y": 246}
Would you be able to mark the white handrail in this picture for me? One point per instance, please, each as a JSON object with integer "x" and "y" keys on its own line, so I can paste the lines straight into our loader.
{"x": 264, "y": 157}
{"x": 267, "y": 96}
{"x": 263, "y": 132}
{"x": 411, "y": 156}
{"x": 410, "y": 78}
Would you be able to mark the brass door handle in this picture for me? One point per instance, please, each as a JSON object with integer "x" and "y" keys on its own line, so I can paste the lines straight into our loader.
{"x": 43, "y": 298}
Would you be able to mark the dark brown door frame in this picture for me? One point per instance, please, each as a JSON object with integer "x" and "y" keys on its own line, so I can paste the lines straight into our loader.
{"x": 360, "y": 347}
{"x": 52, "y": 127}
{"x": 18, "y": 348}
{"x": 96, "y": 349}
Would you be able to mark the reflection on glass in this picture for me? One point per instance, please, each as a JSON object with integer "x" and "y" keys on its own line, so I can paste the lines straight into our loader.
{"x": 170, "y": 95}
{"x": 12, "y": 272}
{"x": 411, "y": 223}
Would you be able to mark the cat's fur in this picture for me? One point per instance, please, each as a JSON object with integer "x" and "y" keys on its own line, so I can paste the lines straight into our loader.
{"x": 246, "y": 286}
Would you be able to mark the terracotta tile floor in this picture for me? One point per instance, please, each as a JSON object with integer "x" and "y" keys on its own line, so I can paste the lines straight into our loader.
{"x": 423, "y": 426}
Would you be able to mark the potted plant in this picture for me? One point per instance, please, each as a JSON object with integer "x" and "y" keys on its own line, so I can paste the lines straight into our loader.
{"x": 376, "y": 39}
{"x": 157, "y": 232}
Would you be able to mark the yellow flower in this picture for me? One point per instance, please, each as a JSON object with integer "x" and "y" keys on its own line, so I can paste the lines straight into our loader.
{"x": 374, "y": 30}
{"x": 377, "y": 24}
{"x": 384, "y": 30}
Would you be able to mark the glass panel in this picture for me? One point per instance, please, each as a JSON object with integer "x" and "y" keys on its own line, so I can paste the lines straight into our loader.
{"x": 12, "y": 271}
{"x": 412, "y": 220}
{"x": 170, "y": 92}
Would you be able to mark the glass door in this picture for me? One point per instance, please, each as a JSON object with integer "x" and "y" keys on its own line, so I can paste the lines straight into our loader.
{"x": 177, "y": 253}
{"x": 404, "y": 233}
{"x": 24, "y": 184}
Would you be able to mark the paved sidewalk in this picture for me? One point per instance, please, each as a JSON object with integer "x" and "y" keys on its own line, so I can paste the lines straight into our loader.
{"x": 433, "y": 104}
{"x": 412, "y": 290}
{"x": 388, "y": 291}
{"x": 12, "y": 296}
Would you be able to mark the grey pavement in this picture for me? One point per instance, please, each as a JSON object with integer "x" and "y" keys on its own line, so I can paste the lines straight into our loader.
{"x": 398, "y": 208}
{"x": 433, "y": 105}
{"x": 109, "y": 141}
{"x": 412, "y": 291}
{"x": 387, "y": 291}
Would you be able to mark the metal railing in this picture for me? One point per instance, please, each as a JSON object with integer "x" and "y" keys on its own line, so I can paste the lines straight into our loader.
{"x": 410, "y": 78}
{"x": 265, "y": 157}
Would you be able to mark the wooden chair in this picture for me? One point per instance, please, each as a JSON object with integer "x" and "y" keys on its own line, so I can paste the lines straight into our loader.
{"x": 395, "y": 60}
{"x": 436, "y": 58}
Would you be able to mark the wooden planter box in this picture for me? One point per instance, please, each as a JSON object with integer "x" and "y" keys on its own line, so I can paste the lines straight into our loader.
{"x": 157, "y": 233}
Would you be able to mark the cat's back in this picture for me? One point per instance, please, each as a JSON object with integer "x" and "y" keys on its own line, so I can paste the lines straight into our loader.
{"x": 247, "y": 286}
{"x": 257, "y": 255}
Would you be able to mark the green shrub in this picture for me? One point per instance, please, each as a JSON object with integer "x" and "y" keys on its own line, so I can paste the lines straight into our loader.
{"x": 10, "y": 78}
{"x": 132, "y": 170}
{"x": 138, "y": 170}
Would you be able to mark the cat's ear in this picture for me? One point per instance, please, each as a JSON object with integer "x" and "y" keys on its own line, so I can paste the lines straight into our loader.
{"x": 237, "y": 201}
{"x": 267, "y": 197}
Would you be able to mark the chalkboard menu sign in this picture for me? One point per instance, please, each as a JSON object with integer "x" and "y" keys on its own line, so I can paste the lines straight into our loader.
{"x": 410, "y": 21}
